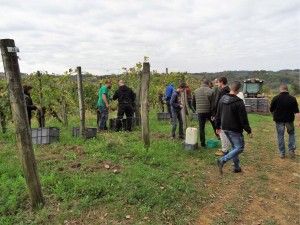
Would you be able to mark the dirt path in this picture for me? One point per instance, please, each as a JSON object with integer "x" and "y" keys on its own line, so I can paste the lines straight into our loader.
{"x": 266, "y": 193}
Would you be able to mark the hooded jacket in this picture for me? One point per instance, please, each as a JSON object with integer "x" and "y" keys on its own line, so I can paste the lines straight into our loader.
{"x": 232, "y": 115}
{"x": 217, "y": 95}
{"x": 124, "y": 95}
{"x": 169, "y": 90}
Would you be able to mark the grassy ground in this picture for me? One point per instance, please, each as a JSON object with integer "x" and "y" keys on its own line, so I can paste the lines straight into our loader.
{"x": 112, "y": 179}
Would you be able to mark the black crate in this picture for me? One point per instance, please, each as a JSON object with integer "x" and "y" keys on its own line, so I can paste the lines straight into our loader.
{"x": 163, "y": 116}
{"x": 45, "y": 135}
{"x": 136, "y": 121}
{"x": 90, "y": 132}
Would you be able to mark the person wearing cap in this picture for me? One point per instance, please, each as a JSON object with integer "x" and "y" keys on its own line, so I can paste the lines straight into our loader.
{"x": 29, "y": 103}
{"x": 176, "y": 107}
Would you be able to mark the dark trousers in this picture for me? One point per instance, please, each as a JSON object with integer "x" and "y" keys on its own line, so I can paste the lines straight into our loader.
{"x": 169, "y": 108}
{"x": 202, "y": 117}
{"x": 126, "y": 109}
{"x": 191, "y": 105}
{"x": 176, "y": 115}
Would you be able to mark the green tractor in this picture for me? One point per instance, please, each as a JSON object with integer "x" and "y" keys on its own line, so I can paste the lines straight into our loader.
{"x": 252, "y": 88}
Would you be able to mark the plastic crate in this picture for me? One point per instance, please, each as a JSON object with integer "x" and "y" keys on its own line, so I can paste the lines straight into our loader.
{"x": 212, "y": 143}
{"x": 90, "y": 132}
{"x": 195, "y": 116}
{"x": 45, "y": 135}
{"x": 163, "y": 116}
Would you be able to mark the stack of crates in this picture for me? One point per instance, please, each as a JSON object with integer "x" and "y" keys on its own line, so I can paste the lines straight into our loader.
{"x": 44, "y": 135}
{"x": 163, "y": 116}
{"x": 262, "y": 105}
{"x": 90, "y": 132}
{"x": 252, "y": 104}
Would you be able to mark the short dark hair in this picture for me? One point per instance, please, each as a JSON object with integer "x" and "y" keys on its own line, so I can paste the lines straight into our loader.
{"x": 27, "y": 87}
{"x": 283, "y": 87}
{"x": 235, "y": 86}
{"x": 223, "y": 80}
{"x": 205, "y": 81}
{"x": 182, "y": 85}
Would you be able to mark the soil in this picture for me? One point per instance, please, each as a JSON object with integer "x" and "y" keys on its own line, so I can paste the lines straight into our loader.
{"x": 266, "y": 192}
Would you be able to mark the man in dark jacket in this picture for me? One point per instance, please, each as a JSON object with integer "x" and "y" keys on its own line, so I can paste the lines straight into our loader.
{"x": 232, "y": 117}
{"x": 284, "y": 108}
{"x": 219, "y": 92}
{"x": 29, "y": 104}
{"x": 176, "y": 107}
{"x": 126, "y": 99}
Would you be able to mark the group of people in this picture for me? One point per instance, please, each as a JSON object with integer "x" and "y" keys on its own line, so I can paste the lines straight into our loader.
{"x": 221, "y": 106}
{"x": 126, "y": 99}
{"x": 224, "y": 108}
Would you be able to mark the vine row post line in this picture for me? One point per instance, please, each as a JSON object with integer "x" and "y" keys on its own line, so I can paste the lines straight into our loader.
{"x": 21, "y": 122}
{"x": 145, "y": 104}
{"x": 81, "y": 102}
{"x": 41, "y": 113}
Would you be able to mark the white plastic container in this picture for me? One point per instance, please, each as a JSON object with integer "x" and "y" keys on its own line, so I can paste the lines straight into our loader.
{"x": 191, "y": 135}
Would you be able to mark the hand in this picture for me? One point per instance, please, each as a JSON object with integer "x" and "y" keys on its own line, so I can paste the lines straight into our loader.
{"x": 218, "y": 131}
{"x": 38, "y": 108}
{"x": 250, "y": 135}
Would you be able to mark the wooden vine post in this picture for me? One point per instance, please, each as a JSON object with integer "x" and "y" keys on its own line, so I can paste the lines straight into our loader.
{"x": 41, "y": 113}
{"x": 184, "y": 108}
{"x": 138, "y": 96}
{"x": 145, "y": 104}
{"x": 81, "y": 102}
{"x": 21, "y": 123}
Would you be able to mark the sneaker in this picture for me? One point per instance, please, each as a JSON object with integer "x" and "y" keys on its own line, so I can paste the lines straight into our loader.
{"x": 292, "y": 154}
{"x": 237, "y": 170}
{"x": 221, "y": 153}
{"x": 282, "y": 156}
{"x": 172, "y": 138}
{"x": 203, "y": 146}
{"x": 220, "y": 165}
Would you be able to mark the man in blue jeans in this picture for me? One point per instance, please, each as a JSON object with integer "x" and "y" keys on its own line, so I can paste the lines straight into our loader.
{"x": 284, "y": 107}
{"x": 176, "y": 107}
{"x": 103, "y": 104}
{"x": 232, "y": 118}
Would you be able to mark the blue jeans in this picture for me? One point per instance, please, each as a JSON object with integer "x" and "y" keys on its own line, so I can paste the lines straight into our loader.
{"x": 237, "y": 142}
{"x": 280, "y": 127}
{"x": 103, "y": 118}
{"x": 176, "y": 114}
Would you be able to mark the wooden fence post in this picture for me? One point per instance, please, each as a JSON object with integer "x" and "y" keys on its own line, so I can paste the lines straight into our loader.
{"x": 81, "y": 102}
{"x": 138, "y": 97}
{"x": 21, "y": 122}
{"x": 41, "y": 113}
{"x": 145, "y": 104}
{"x": 184, "y": 109}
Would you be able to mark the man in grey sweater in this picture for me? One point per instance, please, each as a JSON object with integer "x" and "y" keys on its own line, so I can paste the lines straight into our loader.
{"x": 202, "y": 101}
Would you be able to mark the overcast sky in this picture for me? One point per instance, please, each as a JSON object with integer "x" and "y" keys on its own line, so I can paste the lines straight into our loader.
{"x": 183, "y": 35}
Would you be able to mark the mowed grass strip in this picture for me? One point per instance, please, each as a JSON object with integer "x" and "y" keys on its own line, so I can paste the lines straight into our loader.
{"x": 113, "y": 179}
